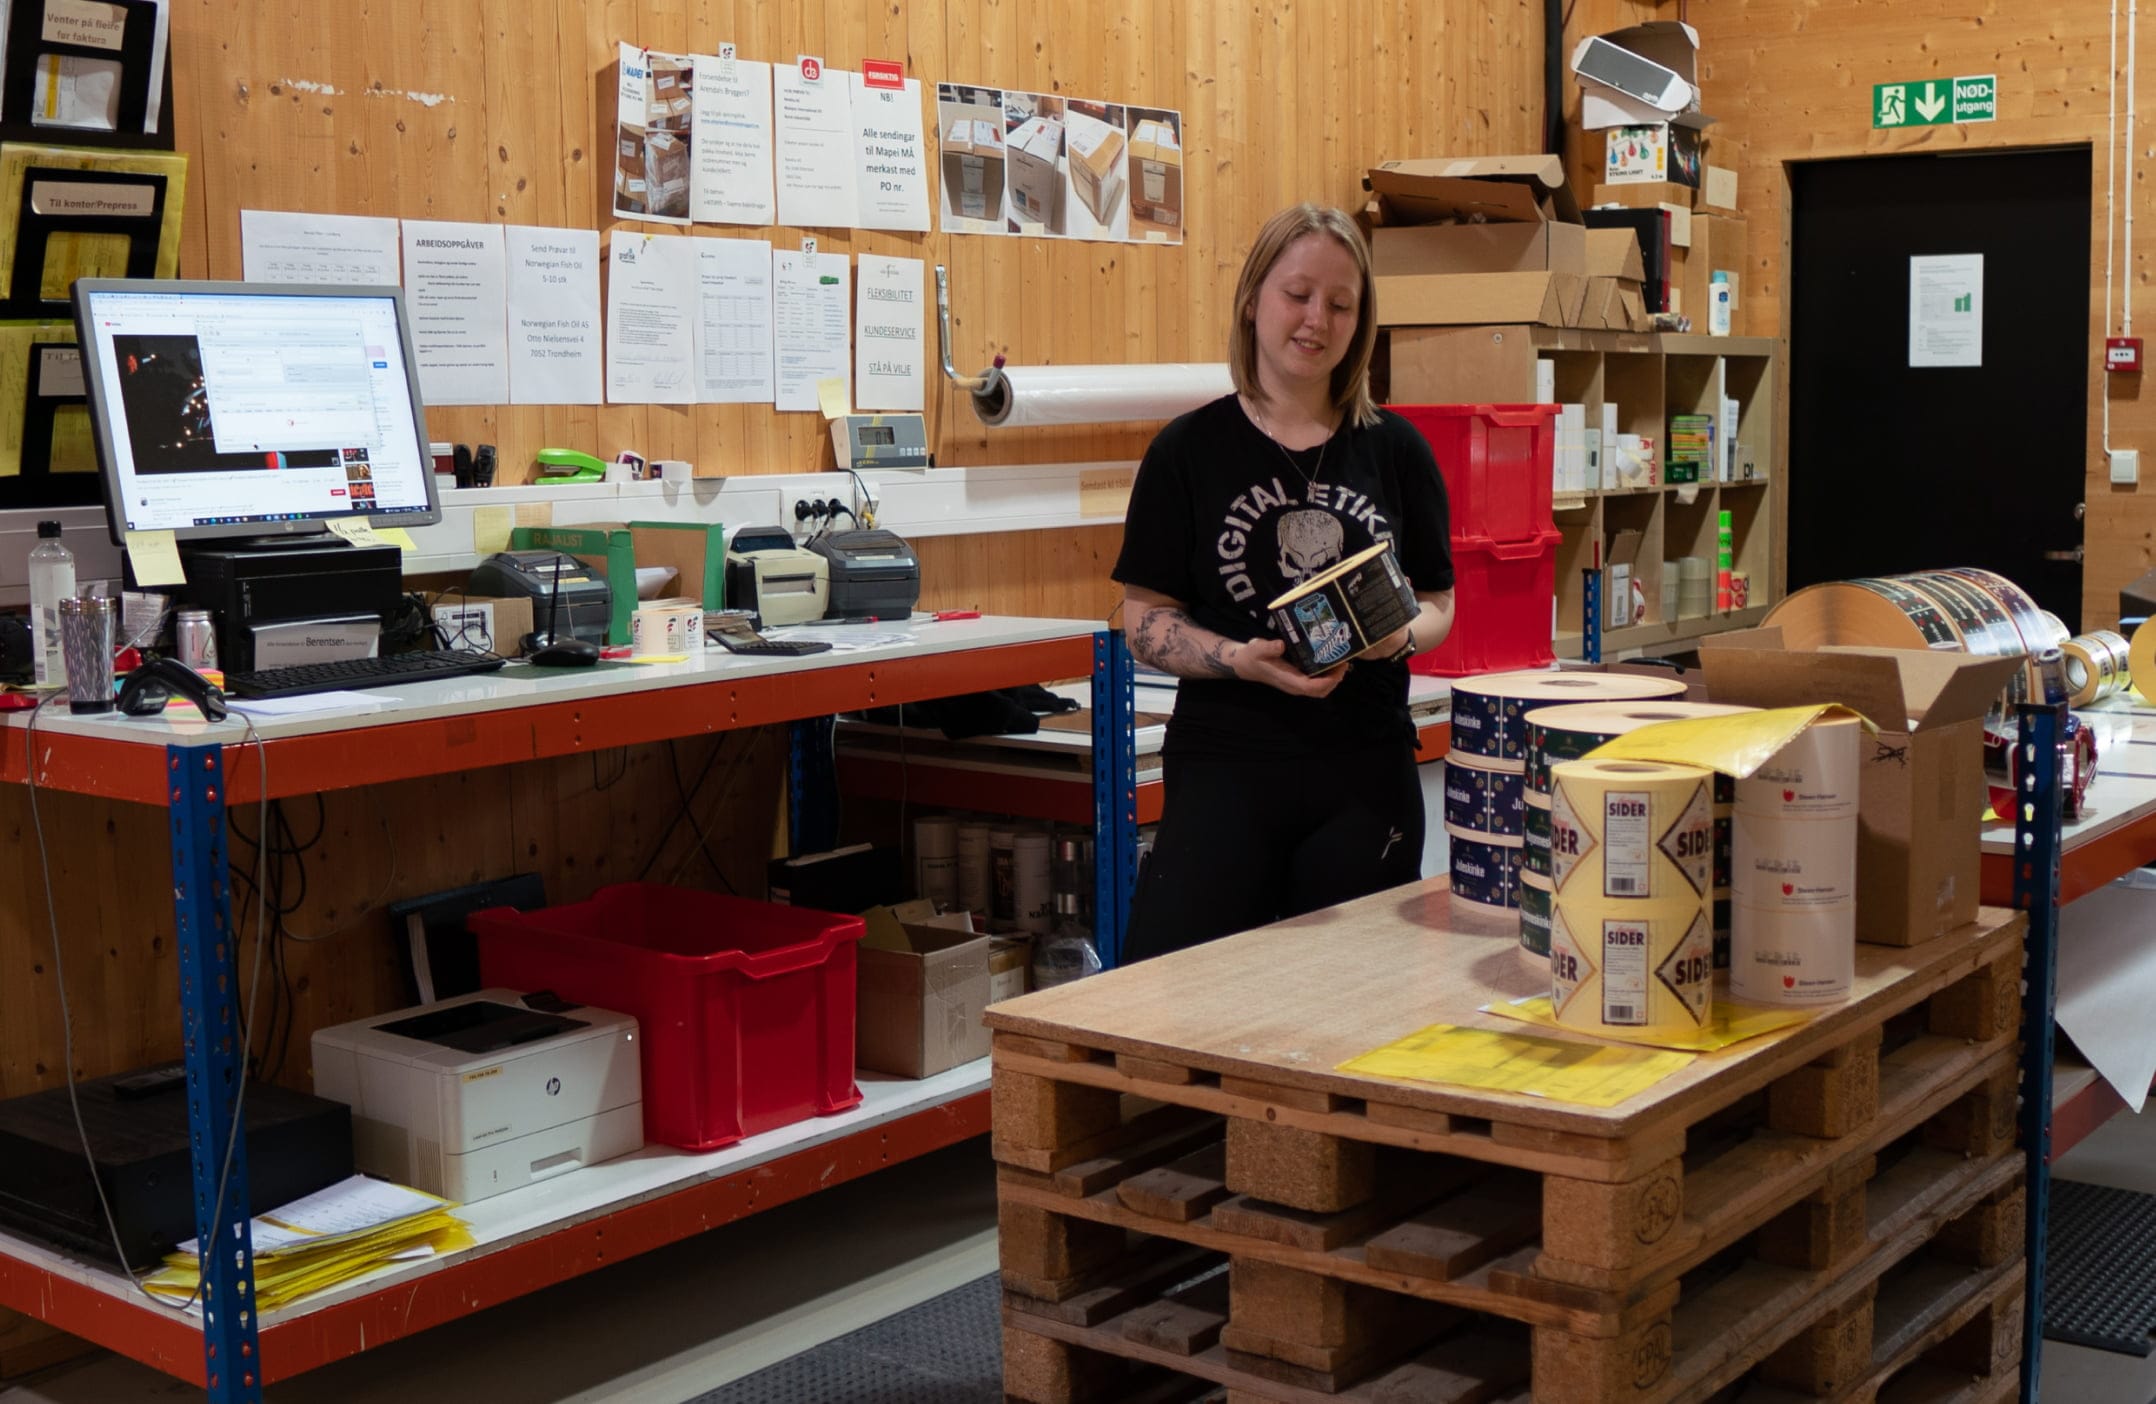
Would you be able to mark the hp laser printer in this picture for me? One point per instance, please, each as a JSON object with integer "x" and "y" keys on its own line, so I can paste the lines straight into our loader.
{"x": 484, "y": 1093}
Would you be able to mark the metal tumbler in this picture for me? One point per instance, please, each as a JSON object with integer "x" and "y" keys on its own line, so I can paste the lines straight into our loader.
{"x": 87, "y": 627}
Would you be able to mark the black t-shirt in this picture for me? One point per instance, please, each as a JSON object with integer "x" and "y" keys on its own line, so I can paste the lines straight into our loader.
{"x": 1225, "y": 520}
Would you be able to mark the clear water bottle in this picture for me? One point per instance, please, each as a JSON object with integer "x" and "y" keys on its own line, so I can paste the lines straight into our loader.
{"x": 52, "y": 579}
{"x": 1067, "y": 953}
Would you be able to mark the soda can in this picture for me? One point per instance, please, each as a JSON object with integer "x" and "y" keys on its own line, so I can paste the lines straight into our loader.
{"x": 195, "y": 638}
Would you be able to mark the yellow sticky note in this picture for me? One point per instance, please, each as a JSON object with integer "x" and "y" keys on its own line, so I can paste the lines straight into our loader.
{"x": 1735, "y": 745}
{"x": 660, "y": 658}
{"x": 1730, "y": 1024}
{"x": 535, "y": 514}
{"x": 357, "y": 530}
{"x": 491, "y": 527}
{"x": 156, "y": 558}
{"x": 397, "y": 537}
{"x": 831, "y": 396}
{"x": 1585, "y": 1074}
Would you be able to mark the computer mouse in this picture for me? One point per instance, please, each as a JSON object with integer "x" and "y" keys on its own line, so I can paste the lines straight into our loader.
{"x": 568, "y": 653}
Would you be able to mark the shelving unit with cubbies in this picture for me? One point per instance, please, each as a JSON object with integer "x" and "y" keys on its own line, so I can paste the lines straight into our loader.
{"x": 1648, "y": 378}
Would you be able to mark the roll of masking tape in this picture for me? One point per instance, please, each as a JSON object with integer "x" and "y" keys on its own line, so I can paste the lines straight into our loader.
{"x": 1488, "y": 711}
{"x": 1630, "y": 830}
{"x": 2097, "y": 666}
{"x": 1485, "y": 869}
{"x": 1813, "y": 777}
{"x": 1486, "y": 801}
{"x": 1630, "y": 965}
{"x": 1792, "y": 957}
{"x": 1535, "y": 907}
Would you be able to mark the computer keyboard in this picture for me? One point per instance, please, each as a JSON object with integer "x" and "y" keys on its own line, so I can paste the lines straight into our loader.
{"x": 770, "y": 648}
{"x": 303, "y": 678}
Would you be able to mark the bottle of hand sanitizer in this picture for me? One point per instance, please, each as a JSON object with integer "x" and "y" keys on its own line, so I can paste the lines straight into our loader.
{"x": 1719, "y": 302}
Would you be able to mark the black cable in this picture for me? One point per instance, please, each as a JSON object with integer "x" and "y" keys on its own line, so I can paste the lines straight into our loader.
{"x": 672, "y": 824}
{"x": 703, "y": 840}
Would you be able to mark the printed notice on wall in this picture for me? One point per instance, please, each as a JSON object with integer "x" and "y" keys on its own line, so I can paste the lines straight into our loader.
{"x": 650, "y": 319}
{"x": 652, "y": 130}
{"x": 887, "y": 334}
{"x": 733, "y": 325}
{"x": 454, "y": 283}
{"x": 554, "y": 316}
{"x": 730, "y": 142}
{"x": 1946, "y": 310}
{"x": 809, "y": 307}
{"x": 891, "y": 163}
{"x": 815, "y": 147}
{"x": 278, "y": 247}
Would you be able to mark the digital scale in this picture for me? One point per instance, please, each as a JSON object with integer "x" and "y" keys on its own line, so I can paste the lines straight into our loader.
{"x": 880, "y": 441}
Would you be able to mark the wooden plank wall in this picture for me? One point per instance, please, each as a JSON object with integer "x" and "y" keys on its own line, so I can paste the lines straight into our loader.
{"x": 499, "y": 110}
{"x": 1791, "y": 80}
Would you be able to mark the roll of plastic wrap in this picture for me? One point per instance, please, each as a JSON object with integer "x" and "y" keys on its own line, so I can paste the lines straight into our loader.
{"x": 1485, "y": 869}
{"x": 1620, "y": 964}
{"x": 1813, "y": 777}
{"x": 1023, "y": 395}
{"x": 1535, "y": 900}
{"x": 2098, "y": 666}
{"x": 1488, "y": 711}
{"x": 935, "y": 860}
{"x": 1632, "y": 830}
{"x": 1792, "y": 956}
{"x": 1483, "y": 801}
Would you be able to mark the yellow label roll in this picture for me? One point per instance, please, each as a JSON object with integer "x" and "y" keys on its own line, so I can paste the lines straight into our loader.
{"x": 1619, "y": 964}
{"x": 1632, "y": 830}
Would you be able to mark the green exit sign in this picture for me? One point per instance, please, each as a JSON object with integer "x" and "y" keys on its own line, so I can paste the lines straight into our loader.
{"x": 1936, "y": 101}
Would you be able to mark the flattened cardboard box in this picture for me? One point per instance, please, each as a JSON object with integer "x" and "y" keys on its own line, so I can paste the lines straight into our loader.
{"x": 917, "y": 1008}
{"x": 1922, "y": 796}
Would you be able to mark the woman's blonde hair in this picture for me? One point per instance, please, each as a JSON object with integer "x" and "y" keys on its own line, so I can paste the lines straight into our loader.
{"x": 1351, "y": 378}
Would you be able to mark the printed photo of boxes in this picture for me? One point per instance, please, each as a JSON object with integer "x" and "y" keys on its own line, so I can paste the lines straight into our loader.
{"x": 970, "y": 125}
{"x": 1033, "y": 147}
{"x": 1156, "y": 168}
{"x": 630, "y": 181}
{"x": 666, "y": 171}
{"x": 1096, "y": 164}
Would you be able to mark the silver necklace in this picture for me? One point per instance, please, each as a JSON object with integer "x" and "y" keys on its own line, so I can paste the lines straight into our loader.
{"x": 1310, "y": 479}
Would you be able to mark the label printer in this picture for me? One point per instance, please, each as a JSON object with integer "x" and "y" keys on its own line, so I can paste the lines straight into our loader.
{"x": 766, "y": 572}
{"x": 874, "y": 573}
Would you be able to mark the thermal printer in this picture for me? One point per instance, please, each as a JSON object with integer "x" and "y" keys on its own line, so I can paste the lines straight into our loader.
{"x": 586, "y": 602}
{"x": 767, "y": 573}
{"x": 874, "y": 574}
{"x": 473, "y": 1096}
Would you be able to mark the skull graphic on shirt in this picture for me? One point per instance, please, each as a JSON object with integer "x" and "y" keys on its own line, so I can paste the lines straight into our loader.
{"x": 1310, "y": 542}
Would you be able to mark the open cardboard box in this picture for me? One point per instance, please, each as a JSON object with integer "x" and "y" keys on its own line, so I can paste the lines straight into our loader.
{"x": 922, "y": 983}
{"x": 1615, "y": 297}
{"x": 1921, "y": 784}
{"x": 1477, "y": 240}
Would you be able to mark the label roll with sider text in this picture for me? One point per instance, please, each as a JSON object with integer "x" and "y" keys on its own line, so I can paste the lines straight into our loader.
{"x": 1536, "y": 901}
{"x": 2098, "y": 667}
{"x": 1632, "y": 830}
{"x": 1488, "y": 711}
{"x": 1630, "y": 965}
{"x": 1479, "y": 800}
{"x": 1485, "y": 869}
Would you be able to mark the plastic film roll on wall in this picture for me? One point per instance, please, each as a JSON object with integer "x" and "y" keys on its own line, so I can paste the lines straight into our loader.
{"x": 1488, "y": 712}
{"x": 1023, "y": 395}
{"x": 1633, "y": 831}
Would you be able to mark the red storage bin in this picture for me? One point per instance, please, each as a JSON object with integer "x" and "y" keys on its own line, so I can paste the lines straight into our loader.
{"x": 1498, "y": 461}
{"x": 1502, "y": 596}
{"x": 746, "y": 1007}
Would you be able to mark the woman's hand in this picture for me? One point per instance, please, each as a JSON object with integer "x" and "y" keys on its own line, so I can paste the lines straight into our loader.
{"x": 1263, "y": 661}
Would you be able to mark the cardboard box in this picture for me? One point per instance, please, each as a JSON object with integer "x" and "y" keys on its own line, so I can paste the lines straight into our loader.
{"x": 1650, "y": 230}
{"x": 1615, "y": 299}
{"x": 1035, "y": 187}
{"x": 696, "y": 551}
{"x": 1096, "y": 164}
{"x": 973, "y": 164}
{"x": 1652, "y": 156}
{"x": 1718, "y": 243}
{"x": 607, "y": 547}
{"x": 1672, "y": 44}
{"x": 666, "y": 162}
{"x": 1010, "y": 967}
{"x": 1476, "y": 241}
{"x": 1717, "y": 190}
{"x": 1645, "y": 194}
{"x": 1156, "y": 173}
{"x": 921, "y": 985}
{"x": 1922, "y": 794}
{"x": 629, "y": 178}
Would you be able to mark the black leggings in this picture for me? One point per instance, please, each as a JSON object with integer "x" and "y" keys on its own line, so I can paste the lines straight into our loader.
{"x": 1244, "y": 843}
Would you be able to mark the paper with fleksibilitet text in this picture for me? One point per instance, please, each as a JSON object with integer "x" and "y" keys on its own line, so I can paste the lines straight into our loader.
{"x": 888, "y": 355}
{"x": 890, "y": 156}
{"x": 815, "y": 147}
{"x": 809, "y": 322}
{"x": 730, "y": 142}
{"x": 278, "y": 246}
{"x": 455, "y": 285}
{"x": 733, "y": 323}
{"x": 651, "y": 319}
{"x": 554, "y": 318}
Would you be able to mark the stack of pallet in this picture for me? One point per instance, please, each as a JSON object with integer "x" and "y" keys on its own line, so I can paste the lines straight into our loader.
{"x": 1834, "y": 1212}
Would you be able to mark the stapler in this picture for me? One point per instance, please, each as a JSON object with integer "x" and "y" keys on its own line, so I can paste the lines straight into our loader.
{"x": 557, "y": 465}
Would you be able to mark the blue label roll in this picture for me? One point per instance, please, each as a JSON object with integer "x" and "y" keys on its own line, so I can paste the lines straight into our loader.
{"x": 1489, "y": 712}
{"x": 1485, "y": 869}
{"x": 1483, "y": 801}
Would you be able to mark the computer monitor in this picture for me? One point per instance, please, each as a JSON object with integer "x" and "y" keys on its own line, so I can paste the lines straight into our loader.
{"x": 262, "y": 410}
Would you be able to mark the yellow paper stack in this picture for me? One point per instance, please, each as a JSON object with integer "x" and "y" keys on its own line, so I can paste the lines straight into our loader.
{"x": 329, "y": 1237}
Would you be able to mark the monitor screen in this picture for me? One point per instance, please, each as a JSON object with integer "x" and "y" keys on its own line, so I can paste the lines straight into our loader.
{"x": 253, "y": 409}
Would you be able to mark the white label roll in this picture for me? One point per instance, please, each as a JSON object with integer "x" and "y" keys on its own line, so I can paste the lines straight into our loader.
{"x": 1813, "y": 777}
{"x": 1794, "y": 864}
{"x": 1630, "y": 965}
{"x": 1782, "y": 957}
{"x": 1632, "y": 830}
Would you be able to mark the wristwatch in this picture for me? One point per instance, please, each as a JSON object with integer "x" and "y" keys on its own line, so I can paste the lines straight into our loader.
{"x": 1404, "y": 651}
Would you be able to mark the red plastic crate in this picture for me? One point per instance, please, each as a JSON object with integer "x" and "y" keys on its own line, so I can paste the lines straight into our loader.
{"x": 1502, "y": 596}
{"x": 746, "y": 1008}
{"x": 1498, "y": 461}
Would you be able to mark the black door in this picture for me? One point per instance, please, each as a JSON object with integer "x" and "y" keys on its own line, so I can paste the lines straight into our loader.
{"x": 1896, "y": 467}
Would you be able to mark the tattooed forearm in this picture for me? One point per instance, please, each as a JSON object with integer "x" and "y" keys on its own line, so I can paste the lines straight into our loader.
{"x": 1170, "y": 640}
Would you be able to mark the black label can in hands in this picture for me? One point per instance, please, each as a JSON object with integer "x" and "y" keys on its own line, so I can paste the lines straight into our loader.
{"x": 1346, "y": 611}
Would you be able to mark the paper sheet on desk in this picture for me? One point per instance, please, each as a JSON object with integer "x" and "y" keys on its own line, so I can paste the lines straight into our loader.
{"x": 1587, "y": 1074}
{"x": 312, "y": 702}
{"x": 2107, "y": 984}
{"x": 1733, "y": 1023}
{"x": 841, "y": 643}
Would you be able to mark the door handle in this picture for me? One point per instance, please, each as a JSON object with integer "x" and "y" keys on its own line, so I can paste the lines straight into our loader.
{"x": 2074, "y": 555}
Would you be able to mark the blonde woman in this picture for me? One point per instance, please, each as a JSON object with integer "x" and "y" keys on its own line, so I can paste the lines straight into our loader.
{"x": 1285, "y": 793}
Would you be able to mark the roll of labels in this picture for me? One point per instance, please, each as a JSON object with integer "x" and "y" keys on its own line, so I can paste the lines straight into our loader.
{"x": 1485, "y": 792}
{"x": 1559, "y": 734}
{"x": 1794, "y": 871}
{"x": 1632, "y": 881}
